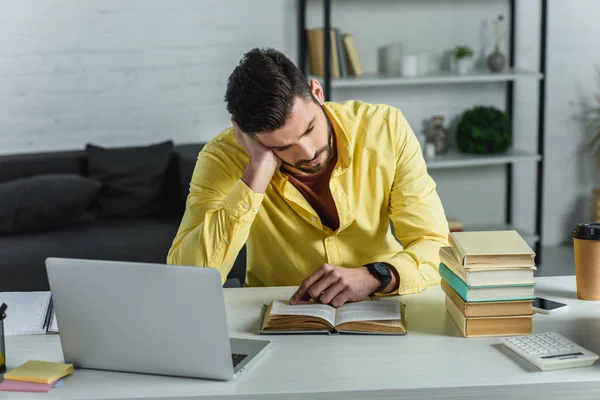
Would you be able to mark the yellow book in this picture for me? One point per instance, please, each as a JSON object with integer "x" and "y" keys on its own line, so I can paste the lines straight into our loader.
{"x": 315, "y": 43}
{"x": 39, "y": 372}
{"x": 354, "y": 64}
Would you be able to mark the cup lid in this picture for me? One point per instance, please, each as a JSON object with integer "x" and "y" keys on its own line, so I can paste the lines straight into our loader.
{"x": 587, "y": 231}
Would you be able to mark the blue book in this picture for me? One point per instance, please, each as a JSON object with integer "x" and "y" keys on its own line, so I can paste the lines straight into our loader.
{"x": 474, "y": 294}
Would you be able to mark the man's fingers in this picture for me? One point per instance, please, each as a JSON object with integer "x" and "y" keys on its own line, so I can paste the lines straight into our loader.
{"x": 302, "y": 292}
{"x": 331, "y": 292}
{"x": 320, "y": 287}
{"x": 341, "y": 298}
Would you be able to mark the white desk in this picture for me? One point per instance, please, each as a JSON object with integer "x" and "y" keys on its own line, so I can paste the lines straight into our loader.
{"x": 431, "y": 361}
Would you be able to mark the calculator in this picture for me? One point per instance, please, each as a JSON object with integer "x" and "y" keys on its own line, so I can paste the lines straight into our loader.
{"x": 550, "y": 351}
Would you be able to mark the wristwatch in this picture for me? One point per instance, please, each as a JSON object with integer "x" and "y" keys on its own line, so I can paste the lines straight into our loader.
{"x": 382, "y": 272}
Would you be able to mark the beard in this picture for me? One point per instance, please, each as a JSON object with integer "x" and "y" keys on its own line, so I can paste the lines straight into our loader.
{"x": 328, "y": 149}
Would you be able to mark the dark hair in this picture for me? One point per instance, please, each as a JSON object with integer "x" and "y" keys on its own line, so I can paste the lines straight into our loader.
{"x": 262, "y": 88}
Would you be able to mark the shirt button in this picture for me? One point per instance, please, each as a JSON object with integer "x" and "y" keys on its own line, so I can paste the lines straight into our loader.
{"x": 245, "y": 206}
{"x": 227, "y": 241}
{"x": 314, "y": 219}
{"x": 330, "y": 238}
{"x": 255, "y": 209}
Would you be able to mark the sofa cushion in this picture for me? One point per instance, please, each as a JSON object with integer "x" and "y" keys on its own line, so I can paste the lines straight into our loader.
{"x": 133, "y": 179}
{"x": 44, "y": 202}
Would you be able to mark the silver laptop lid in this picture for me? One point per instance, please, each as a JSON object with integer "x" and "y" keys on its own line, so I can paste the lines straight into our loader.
{"x": 136, "y": 317}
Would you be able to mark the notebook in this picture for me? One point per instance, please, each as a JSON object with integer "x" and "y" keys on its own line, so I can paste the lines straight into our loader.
{"x": 29, "y": 313}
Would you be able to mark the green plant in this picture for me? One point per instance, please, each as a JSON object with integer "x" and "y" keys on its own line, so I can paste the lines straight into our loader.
{"x": 462, "y": 52}
{"x": 484, "y": 130}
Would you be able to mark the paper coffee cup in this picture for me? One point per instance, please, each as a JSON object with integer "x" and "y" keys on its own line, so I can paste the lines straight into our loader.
{"x": 586, "y": 242}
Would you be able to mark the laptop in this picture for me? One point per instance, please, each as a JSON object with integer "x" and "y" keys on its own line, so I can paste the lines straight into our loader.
{"x": 146, "y": 318}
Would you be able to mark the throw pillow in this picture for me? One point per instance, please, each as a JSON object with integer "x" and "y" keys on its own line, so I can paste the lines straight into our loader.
{"x": 133, "y": 179}
{"x": 45, "y": 202}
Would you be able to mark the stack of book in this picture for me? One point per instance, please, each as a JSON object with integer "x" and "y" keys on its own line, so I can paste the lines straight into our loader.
{"x": 488, "y": 280}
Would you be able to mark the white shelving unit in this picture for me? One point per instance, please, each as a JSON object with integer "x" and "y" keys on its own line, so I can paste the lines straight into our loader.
{"x": 454, "y": 159}
{"x": 440, "y": 78}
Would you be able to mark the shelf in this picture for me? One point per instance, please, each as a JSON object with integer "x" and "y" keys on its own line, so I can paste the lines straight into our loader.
{"x": 454, "y": 159}
{"x": 529, "y": 237}
{"x": 442, "y": 77}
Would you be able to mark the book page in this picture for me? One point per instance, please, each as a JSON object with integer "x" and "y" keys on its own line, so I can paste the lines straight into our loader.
{"x": 323, "y": 311}
{"x": 26, "y": 312}
{"x": 368, "y": 310}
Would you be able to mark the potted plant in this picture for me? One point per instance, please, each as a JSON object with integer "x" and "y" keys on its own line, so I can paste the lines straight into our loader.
{"x": 463, "y": 58}
{"x": 484, "y": 130}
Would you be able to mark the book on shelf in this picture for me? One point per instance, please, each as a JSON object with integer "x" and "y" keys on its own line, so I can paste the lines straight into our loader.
{"x": 379, "y": 316}
{"x": 316, "y": 46}
{"x": 29, "y": 313}
{"x": 489, "y": 326}
{"x": 487, "y": 308}
{"x": 344, "y": 59}
{"x": 488, "y": 292}
{"x": 354, "y": 64}
{"x": 501, "y": 249}
{"x": 486, "y": 276}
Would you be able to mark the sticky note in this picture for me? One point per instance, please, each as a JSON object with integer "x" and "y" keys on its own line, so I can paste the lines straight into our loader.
{"x": 20, "y": 386}
{"x": 39, "y": 372}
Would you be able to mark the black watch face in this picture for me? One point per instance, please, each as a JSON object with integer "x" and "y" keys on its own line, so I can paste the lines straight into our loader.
{"x": 382, "y": 270}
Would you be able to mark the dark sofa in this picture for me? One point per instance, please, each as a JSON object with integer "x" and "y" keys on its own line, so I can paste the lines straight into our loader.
{"x": 142, "y": 239}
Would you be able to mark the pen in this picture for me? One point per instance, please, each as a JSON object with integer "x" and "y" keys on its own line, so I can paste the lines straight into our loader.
{"x": 3, "y": 308}
{"x": 48, "y": 316}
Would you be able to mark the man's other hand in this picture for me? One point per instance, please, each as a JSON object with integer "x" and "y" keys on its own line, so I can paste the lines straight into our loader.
{"x": 336, "y": 285}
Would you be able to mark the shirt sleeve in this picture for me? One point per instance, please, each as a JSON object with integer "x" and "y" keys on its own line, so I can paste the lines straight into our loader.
{"x": 220, "y": 210}
{"x": 416, "y": 212}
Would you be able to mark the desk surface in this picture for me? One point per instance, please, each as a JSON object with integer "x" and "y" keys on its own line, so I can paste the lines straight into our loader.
{"x": 431, "y": 360}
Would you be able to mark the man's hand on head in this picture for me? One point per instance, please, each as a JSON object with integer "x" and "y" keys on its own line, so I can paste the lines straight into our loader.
{"x": 255, "y": 150}
{"x": 263, "y": 162}
{"x": 336, "y": 285}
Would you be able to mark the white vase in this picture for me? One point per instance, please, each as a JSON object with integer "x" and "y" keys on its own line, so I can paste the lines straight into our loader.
{"x": 410, "y": 65}
{"x": 464, "y": 66}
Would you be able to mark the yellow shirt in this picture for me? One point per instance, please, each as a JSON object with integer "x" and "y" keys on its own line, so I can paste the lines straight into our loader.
{"x": 380, "y": 176}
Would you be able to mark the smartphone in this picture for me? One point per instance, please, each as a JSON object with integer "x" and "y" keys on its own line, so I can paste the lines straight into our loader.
{"x": 546, "y": 306}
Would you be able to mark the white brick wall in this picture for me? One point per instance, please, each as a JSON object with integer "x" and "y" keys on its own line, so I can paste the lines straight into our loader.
{"x": 119, "y": 72}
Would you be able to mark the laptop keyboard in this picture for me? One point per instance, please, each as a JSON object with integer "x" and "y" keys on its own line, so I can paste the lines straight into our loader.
{"x": 237, "y": 358}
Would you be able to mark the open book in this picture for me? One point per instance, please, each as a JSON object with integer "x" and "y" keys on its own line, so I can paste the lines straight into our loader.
{"x": 381, "y": 317}
{"x": 28, "y": 313}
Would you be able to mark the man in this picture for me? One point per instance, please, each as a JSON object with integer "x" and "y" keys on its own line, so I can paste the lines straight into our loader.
{"x": 310, "y": 188}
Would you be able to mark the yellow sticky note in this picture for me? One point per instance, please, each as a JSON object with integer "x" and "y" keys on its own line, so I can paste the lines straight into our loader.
{"x": 39, "y": 371}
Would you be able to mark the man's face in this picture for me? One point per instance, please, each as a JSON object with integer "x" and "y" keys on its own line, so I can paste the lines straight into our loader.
{"x": 305, "y": 143}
